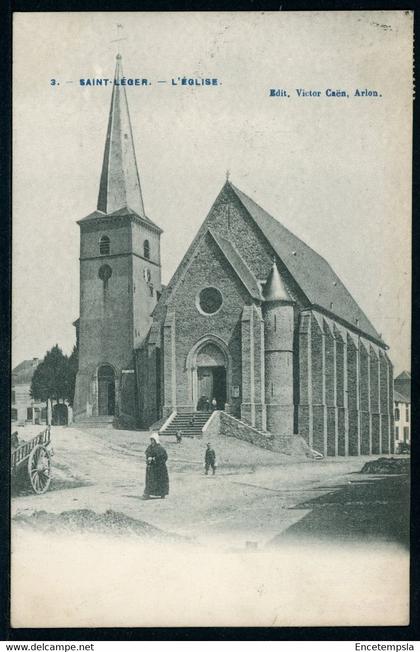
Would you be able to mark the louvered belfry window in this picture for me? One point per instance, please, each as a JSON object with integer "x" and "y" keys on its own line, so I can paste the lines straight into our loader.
{"x": 104, "y": 245}
{"x": 146, "y": 249}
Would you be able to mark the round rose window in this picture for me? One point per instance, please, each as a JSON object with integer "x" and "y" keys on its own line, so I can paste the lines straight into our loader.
{"x": 210, "y": 300}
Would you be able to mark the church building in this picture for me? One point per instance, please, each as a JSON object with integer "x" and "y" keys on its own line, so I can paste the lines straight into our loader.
{"x": 254, "y": 323}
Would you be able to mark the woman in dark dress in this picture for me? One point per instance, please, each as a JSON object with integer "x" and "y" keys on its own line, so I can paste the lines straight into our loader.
{"x": 157, "y": 479}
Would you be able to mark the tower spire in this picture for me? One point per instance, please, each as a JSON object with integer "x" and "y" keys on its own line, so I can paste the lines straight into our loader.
{"x": 120, "y": 183}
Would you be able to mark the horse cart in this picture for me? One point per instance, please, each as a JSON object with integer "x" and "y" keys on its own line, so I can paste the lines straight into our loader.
{"x": 31, "y": 462}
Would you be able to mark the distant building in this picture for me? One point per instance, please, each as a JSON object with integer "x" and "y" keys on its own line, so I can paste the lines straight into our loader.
{"x": 24, "y": 408}
{"x": 402, "y": 408}
{"x": 402, "y": 384}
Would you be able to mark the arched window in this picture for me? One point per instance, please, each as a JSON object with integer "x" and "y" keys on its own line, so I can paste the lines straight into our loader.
{"x": 146, "y": 249}
{"x": 397, "y": 414}
{"x": 104, "y": 245}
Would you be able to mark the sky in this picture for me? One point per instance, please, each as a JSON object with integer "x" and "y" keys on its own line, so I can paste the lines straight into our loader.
{"x": 335, "y": 171}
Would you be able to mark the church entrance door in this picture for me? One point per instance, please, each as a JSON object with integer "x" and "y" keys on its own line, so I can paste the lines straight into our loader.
{"x": 106, "y": 391}
{"x": 212, "y": 384}
{"x": 219, "y": 386}
{"x": 210, "y": 368}
{"x": 205, "y": 384}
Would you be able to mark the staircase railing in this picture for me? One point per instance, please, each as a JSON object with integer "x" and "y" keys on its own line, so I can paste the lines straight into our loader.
{"x": 168, "y": 421}
{"x": 209, "y": 420}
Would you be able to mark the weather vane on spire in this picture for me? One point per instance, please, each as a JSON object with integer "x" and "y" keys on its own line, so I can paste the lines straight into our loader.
{"x": 227, "y": 175}
{"x": 118, "y": 39}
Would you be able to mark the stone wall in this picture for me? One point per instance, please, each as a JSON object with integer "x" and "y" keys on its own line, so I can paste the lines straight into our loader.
{"x": 149, "y": 409}
{"x": 253, "y": 409}
{"x": 345, "y": 406}
{"x": 115, "y": 314}
{"x": 231, "y": 427}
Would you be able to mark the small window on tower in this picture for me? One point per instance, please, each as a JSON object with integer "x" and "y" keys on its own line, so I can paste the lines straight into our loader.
{"x": 146, "y": 249}
{"x": 104, "y": 245}
{"x": 105, "y": 273}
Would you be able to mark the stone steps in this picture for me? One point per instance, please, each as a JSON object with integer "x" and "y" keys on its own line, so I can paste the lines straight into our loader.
{"x": 94, "y": 421}
{"x": 182, "y": 422}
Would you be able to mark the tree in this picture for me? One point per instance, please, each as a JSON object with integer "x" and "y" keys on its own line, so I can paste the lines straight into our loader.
{"x": 52, "y": 377}
{"x": 73, "y": 364}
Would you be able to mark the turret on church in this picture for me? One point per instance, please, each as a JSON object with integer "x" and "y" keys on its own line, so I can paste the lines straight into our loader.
{"x": 279, "y": 322}
{"x": 120, "y": 277}
{"x": 253, "y": 323}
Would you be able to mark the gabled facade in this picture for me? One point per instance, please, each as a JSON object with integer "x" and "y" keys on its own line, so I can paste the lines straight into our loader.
{"x": 249, "y": 319}
{"x": 24, "y": 408}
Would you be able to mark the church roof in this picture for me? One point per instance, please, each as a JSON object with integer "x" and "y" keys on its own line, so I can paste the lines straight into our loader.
{"x": 400, "y": 398}
{"x": 275, "y": 289}
{"x": 120, "y": 182}
{"x": 23, "y": 372}
{"x": 121, "y": 212}
{"x": 311, "y": 271}
{"x": 238, "y": 264}
{"x": 314, "y": 276}
{"x": 404, "y": 375}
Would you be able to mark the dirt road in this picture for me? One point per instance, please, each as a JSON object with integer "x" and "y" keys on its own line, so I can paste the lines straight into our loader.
{"x": 255, "y": 496}
{"x": 128, "y": 571}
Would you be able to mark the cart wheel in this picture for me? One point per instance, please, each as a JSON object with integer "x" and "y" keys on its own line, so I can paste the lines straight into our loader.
{"x": 39, "y": 469}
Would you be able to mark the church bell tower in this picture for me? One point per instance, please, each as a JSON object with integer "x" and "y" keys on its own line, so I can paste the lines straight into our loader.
{"x": 120, "y": 278}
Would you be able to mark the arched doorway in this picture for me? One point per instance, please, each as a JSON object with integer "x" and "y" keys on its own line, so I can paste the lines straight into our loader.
{"x": 211, "y": 370}
{"x": 59, "y": 415}
{"x": 106, "y": 391}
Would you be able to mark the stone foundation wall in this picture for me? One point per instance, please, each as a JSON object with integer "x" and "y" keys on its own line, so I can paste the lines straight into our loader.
{"x": 226, "y": 425}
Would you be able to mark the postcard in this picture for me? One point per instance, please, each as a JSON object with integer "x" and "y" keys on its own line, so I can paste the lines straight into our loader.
{"x": 211, "y": 413}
